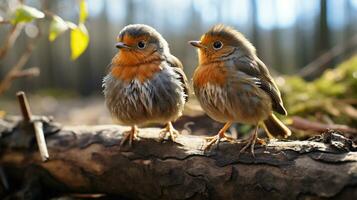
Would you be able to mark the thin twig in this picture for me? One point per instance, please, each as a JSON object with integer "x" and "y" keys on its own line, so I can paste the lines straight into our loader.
{"x": 351, "y": 101}
{"x": 5, "y": 22}
{"x": 37, "y": 125}
{"x": 30, "y": 72}
{"x": 306, "y": 125}
{"x": 40, "y": 138}
{"x": 6, "y": 82}
{"x": 10, "y": 39}
{"x": 24, "y": 106}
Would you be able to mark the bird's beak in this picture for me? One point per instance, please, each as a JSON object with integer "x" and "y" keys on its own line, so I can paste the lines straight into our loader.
{"x": 121, "y": 45}
{"x": 197, "y": 44}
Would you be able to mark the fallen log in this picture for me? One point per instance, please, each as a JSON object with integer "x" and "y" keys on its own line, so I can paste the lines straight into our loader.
{"x": 88, "y": 159}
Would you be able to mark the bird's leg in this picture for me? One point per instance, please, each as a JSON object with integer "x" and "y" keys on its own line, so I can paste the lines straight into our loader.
{"x": 261, "y": 141}
{"x": 251, "y": 142}
{"x": 217, "y": 138}
{"x": 170, "y": 130}
{"x": 130, "y": 135}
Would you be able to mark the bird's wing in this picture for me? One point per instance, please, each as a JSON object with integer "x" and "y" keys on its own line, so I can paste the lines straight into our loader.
{"x": 256, "y": 68}
{"x": 177, "y": 66}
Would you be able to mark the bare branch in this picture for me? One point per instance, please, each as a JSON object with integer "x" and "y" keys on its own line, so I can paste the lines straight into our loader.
{"x": 5, "y": 22}
{"x": 24, "y": 106}
{"x": 306, "y": 125}
{"x": 30, "y": 72}
{"x": 6, "y": 82}
{"x": 10, "y": 39}
{"x": 36, "y": 122}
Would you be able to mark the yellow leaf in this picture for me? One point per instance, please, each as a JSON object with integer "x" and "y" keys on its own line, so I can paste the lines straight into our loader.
{"x": 57, "y": 27}
{"x": 83, "y": 11}
{"x": 79, "y": 41}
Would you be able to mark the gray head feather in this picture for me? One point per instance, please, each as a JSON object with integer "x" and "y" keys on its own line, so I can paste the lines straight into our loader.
{"x": 137, "y": 30}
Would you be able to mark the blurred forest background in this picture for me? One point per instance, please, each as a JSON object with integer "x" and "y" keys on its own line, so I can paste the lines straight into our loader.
{"x": 289, "y": 36}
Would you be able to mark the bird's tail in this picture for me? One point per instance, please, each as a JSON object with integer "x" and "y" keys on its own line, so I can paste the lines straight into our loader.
{"x": 274, "y": 127}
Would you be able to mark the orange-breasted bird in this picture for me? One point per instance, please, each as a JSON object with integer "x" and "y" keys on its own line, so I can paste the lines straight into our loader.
{"x": 145, "y": 84}
{"x": 233, "y": 85}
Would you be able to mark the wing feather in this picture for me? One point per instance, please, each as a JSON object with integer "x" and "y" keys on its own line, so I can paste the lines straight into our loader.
{"x": 177, "y": 66}
{"x": 256, "y": 68}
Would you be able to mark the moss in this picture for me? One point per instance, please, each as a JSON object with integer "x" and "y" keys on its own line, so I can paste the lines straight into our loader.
{"x": 332, "y": 96}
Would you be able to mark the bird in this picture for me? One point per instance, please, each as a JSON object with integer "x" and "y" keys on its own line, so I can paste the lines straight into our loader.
{"x": 145, "y": 82}
{"x": 234, "y": 86}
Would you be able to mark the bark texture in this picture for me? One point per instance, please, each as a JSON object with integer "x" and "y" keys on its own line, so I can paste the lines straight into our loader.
{"x": 87, "y": 159}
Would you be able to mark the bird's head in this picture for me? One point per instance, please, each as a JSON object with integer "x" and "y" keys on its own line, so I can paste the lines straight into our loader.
{"x": 138, "y": 43}
{"x": 220, "y": 42}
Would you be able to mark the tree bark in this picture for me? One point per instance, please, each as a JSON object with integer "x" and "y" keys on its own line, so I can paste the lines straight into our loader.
{"x": 88, "y": 159}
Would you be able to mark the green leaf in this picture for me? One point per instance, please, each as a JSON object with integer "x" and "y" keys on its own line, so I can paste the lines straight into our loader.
{"x": 79, "y": 41}
{"x": 83, "y": 11}
{"x": 71, "y": 25}
{"x": 57, "y": 27}
{"x": 26, "y": 14}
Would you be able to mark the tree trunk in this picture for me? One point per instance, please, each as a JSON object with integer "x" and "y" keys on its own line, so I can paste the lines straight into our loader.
{"x": 88, "y": 159}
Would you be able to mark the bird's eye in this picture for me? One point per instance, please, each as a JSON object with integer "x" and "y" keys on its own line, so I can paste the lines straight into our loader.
{"x": 141, "y": 44}
{"x": 217, "y": 45}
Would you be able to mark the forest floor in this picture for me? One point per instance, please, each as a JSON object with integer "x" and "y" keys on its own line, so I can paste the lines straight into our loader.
{"x": 69, "y": 111}
{"x": 92, "y": 111}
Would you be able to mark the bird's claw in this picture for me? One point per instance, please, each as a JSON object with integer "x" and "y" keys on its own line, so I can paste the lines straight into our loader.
{"x": 210, "y": 141}
{"x": 129, "y": 136}
{"x": 169, "y": 129}
{"x": 251, "y": 143}
{"x": 173, "y": 134}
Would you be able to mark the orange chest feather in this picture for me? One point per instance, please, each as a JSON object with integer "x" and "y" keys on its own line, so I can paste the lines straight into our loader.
{"x": 140, "y": 72}
{"x": 214, "y": 73}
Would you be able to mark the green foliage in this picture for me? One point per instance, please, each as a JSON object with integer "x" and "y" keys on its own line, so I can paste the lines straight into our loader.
{"x": 79, "y": 34}
{"x": 57, "y": 27}
{"x": 329, "y": 95}
{"x": 26, "y": 14}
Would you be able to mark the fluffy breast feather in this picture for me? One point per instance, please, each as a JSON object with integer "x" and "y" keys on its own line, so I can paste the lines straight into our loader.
{"x": 237, "y": 100}
{"x": 213, "y": 73}
{"x": 158, "y": 99}
{"x": 141, "y": 72}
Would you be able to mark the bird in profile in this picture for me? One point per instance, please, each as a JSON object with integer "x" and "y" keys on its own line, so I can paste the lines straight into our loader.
{"x": 233, "y": 85}
{"x": 145, "y": 83}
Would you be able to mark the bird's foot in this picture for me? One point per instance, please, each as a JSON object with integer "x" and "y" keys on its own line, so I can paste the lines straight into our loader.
{"x": 261, "y": 141}
{"x": 210, "y": 141}
{"x": 169, "y": 129}
{"x": 130, "y": 136}
{"x": 251, "y": 143}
